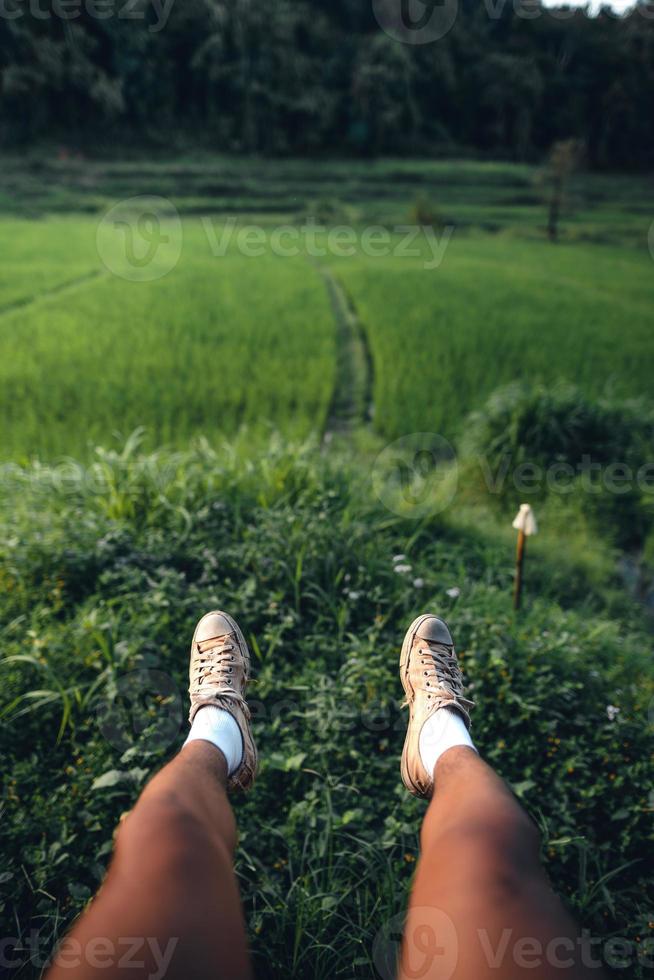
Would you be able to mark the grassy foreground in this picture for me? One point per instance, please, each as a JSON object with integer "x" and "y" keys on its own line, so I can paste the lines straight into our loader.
{"x": 103, "y": 574}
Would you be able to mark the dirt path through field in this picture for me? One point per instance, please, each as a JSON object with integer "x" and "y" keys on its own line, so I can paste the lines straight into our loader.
{"x": 351, "y": 405}
{"x": 61, "y": 287}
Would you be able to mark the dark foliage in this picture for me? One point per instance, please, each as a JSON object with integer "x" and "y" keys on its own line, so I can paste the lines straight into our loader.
{"x": 319, "y": 76}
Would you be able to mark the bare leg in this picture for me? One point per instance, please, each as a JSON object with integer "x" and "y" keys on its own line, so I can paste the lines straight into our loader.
{"x": 481, "y": 905}
{"x": 170, "y": 901}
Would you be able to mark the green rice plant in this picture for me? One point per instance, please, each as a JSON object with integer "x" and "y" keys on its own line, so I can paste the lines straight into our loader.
{"x": 495, "y": 311}
{"x": 217, "y": 345}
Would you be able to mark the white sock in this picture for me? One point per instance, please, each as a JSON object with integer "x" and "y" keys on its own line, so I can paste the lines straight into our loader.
{"x": 215, "y": 725}
{"x": 442, "y": 731}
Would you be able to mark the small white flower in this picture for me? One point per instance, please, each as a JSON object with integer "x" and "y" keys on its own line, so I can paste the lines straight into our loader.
{"x": 397, "y": 558}
{"x": 612, "y": 712}
{"x": 418, "y": 583}
{"x": 402, "y": 569}
{"x": 454, "y": 592}
{"x": 353, "y": 595}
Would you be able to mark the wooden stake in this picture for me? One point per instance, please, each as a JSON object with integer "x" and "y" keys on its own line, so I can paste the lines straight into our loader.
{"x": 525, "y": 524}
{"x": 519, "y": 562}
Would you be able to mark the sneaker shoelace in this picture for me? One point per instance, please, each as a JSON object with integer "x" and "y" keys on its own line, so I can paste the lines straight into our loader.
{"x": 215, "y": 665}
{"x": 441, "y": 668}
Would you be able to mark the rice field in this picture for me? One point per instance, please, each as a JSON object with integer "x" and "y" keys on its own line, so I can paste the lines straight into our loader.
{"x": 41, "y": 256}
{"x": 499, "y": 310}
{"x": 215, "y": 346}
{"x": 242, "y": 338}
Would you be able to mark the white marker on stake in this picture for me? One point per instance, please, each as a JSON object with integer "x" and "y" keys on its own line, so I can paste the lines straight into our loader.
{"x": 525, "y": 524}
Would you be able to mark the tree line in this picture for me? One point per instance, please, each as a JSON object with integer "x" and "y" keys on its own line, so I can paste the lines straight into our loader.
{"x": 322, "y": 76}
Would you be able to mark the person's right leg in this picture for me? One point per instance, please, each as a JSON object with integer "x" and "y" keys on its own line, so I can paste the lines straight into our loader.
{"x": 169, "y": 906}
{"x": 481, "y": 905}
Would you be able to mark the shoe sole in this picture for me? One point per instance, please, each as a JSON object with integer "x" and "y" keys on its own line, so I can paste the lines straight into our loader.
{"x": 408, "y": 690}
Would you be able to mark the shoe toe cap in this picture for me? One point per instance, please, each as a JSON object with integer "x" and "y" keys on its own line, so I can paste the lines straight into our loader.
{"x": 212, "y": 625}
{"x": 436, "y": 630}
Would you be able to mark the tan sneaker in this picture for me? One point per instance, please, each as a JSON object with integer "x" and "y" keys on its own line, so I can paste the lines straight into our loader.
{"x": 431, "y": 678}
{"x": 219, "y": 674}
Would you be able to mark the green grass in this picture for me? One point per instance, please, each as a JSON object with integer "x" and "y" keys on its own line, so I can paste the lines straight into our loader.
{"x": 42, "y": 256}
{"x": 86, "y": 354}
{"x": 108, "y": 558}
{"x": 214, "y": 346}
{"x": 103, "y": 575}
{"x": 222, "y": 343}
{"x": 498, "y": 310}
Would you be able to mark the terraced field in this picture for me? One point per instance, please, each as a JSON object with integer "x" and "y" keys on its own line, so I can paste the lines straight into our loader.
{"x": 471, "y": 194}
{"x": 241, "y": 332}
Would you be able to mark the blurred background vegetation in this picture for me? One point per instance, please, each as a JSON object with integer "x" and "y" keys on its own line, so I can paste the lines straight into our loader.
{"x": 507, "y": 81}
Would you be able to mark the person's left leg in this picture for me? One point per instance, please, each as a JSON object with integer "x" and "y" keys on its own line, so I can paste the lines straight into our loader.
{"x": 481, "y": 905}
{"x": 169, "y": 906}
